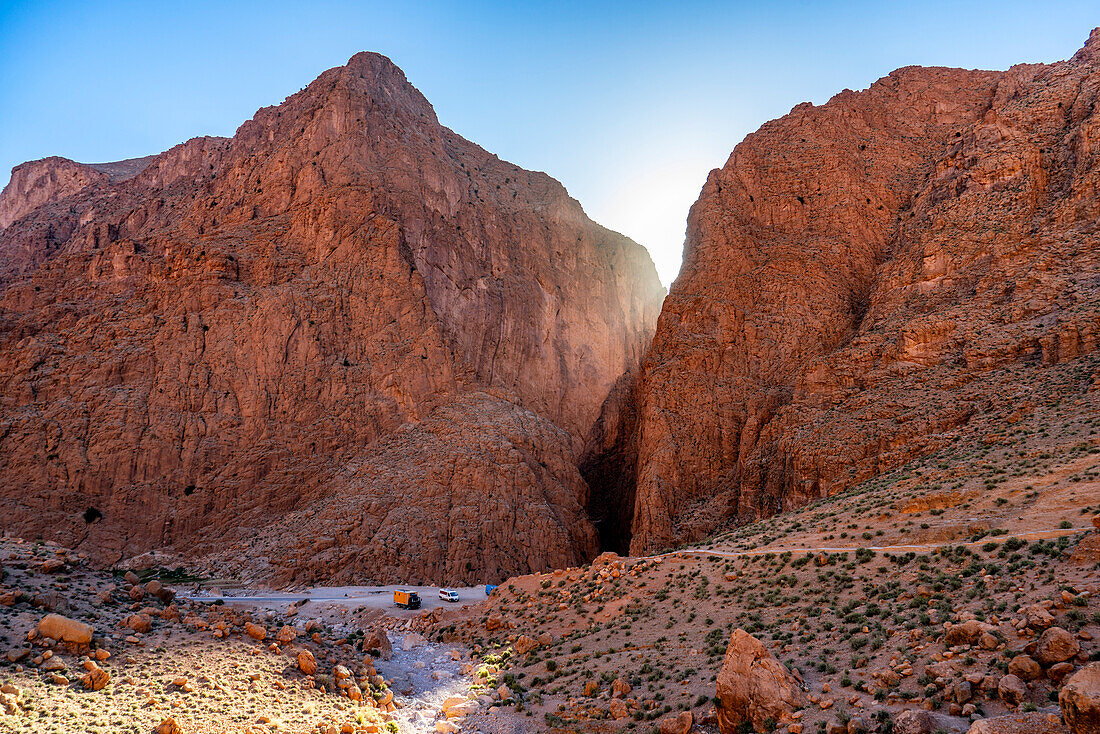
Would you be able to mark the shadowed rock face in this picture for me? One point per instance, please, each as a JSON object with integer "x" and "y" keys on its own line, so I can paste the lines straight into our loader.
{"x": 860, "y": 279}
{"x": 197, "y": 349}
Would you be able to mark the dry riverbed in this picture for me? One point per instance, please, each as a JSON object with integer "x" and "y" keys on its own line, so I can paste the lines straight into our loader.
{"x": 159, "y": 655}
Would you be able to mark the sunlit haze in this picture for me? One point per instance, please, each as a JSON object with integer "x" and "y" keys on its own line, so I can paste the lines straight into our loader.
{"x": 628, "y": 104}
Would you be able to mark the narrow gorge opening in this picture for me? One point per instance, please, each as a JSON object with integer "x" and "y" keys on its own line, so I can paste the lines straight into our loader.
{"x": 610, "y": 481}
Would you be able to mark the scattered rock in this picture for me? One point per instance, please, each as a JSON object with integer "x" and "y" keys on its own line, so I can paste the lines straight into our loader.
{"x": 255, "y": 631}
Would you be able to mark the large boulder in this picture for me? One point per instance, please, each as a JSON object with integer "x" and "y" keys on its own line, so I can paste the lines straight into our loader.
{"x": 1080, "y": 700}
{"x": 755, "y": 687}
{"x": 524, "y": 644}
{"x": 680, "y": 723}
{"x": 377, "y": 639}
{"x": 1012, "y": 689}
{"x": 1056, "y": 646}
{"x": 966, "y": 633}
{"x": 64, "y": 629}
{"x": 1025, "y": 667}
{"x": 307, "y": 663}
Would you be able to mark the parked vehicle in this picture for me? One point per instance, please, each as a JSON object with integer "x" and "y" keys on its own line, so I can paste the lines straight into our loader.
{"x": 448, "y": 595}
{"x": 489, "y": 589}
{"x": 406, "y": 599}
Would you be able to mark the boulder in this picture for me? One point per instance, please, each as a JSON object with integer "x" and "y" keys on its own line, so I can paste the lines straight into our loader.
{"x": 1037, "y": 617}
{"x": 377, "y": 639}
{"x": 307, "y": 663}
{"x": 255, "y": 631}
{"x": 1056, "y": 645}
{"x": 966, "y": 633}
{"x": 413, "y": 640}
{"x": 755, "y": 687}
{"x": 1012, "y": 690}
{"x": 96, "y": 678}
{"x": 140, "y": 622}
{"x": 286, "y": 634}
{"x": 680, "y": 723}
{"x": 168, "y": 726}
{"x": 988, "y": 641}
{"x": 1025, "y": 667}
{"x": 524, "y": 644}
{"x": 64, "y": 629}
{"x": 617, "y": 708}
{"x": 1059, "y": 671}
{"x": 1080, "y": 700}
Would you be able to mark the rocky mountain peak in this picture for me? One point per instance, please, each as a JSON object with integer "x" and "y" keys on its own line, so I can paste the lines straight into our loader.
{"x": 1090, "y": 52}
{"x": 361, "y": 309}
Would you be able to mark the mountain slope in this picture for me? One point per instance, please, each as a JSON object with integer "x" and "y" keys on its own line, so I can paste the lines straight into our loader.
{"x": 861, "y": 279}
{"x": 190, "y": 352}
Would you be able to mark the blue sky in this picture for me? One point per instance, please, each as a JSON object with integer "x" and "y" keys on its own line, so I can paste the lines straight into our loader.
{"x": 628, "y": 104}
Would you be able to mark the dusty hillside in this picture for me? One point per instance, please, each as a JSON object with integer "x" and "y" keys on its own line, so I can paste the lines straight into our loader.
{"x": 194, "y": 345}
{"x": 861, "y": 280}
{"x": 857, "y": 594}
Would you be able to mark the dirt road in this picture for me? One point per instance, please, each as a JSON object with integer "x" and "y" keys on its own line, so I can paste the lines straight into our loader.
{"x": 1034, "y": 535}
{"x": 352, "y": 597}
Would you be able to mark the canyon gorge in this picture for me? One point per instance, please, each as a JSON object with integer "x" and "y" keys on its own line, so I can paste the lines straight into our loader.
{"x": 346, "y": 343}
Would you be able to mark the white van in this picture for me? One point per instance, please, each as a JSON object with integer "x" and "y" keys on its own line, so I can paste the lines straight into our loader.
{"x": 448, "y": 595}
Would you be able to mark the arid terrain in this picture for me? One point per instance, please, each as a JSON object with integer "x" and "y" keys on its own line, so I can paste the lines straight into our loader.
{"x": 856, "y": 592}
{"x": 843, "y": 479}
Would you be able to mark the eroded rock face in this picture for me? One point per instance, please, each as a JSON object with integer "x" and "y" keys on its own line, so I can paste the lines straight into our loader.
{"x": 861, "y": 280}
{"x": 480, "y": 489}
{"x": 35, "y": 183}
{"x": 196, "y": 344}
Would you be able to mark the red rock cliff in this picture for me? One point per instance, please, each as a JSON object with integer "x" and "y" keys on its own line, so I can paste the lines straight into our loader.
{"x": 198, "y": 349}
{"x": 860, "y": 279}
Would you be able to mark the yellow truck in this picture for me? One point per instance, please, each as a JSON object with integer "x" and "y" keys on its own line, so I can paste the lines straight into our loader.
{"x": 406, "y": 599}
